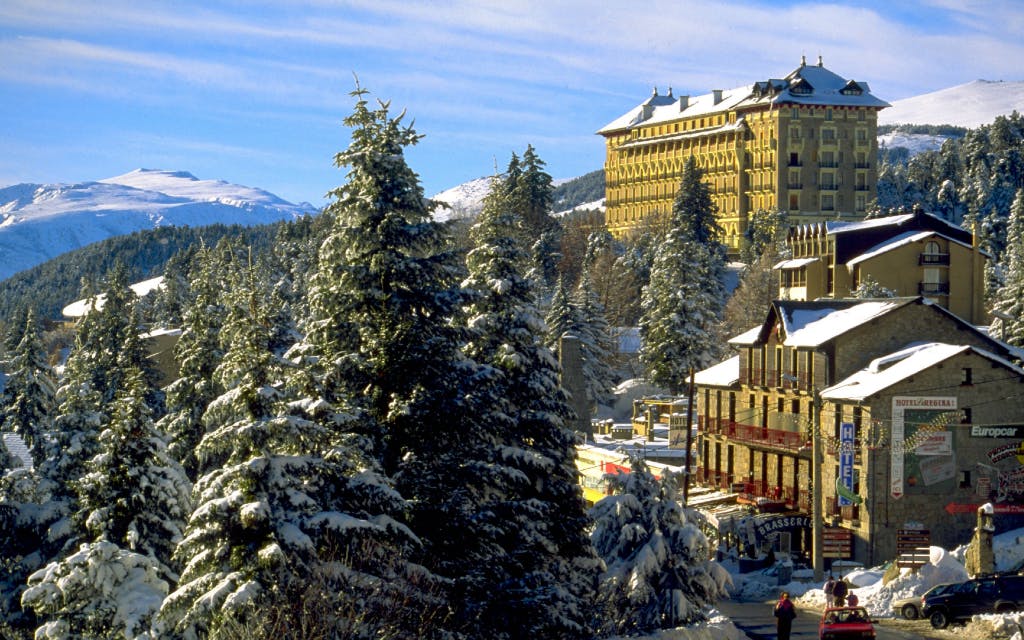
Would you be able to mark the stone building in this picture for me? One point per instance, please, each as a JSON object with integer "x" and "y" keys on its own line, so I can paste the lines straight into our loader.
{"x": 919, "y": 418}
{"x": 805, "y": 143}
{"x": 909, "y": 254}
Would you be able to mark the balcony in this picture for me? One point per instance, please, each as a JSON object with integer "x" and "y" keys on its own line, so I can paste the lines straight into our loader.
{"x": 861, "y": 165}
{"x": 933, "y": 259}
{"x": 861, "y": 187}
{"x": 793, "y": 441}
{"x": 795, "y": 185}
{"x": 933, "y": 289}
{"x": 829, "y": 187}
{"x": 828, "y": 165}
{"x": 796, "y": 163}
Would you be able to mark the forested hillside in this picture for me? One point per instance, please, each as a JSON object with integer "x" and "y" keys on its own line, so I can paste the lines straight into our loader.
{"x": 50, "y": 286}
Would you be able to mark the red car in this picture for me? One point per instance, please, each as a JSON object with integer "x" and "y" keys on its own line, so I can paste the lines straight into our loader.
{"x": 845, "y": 623}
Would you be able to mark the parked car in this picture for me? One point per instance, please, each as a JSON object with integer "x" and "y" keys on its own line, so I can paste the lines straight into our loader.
{"x": 910, "y": 608}
{"x": 845, "y": 623}
{"x": 988, "y": 594}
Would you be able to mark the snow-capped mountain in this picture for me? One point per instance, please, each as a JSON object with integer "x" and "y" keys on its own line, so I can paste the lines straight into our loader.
{"x": 464, "y": 201}
{"x": 967, "y": 105}
{"x": 42, "y": 221}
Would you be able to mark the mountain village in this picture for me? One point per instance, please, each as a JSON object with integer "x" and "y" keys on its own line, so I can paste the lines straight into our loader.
{"x": 860, "y": 404}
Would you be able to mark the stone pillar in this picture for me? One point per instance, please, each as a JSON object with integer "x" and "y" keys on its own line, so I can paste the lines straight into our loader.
{"x": 980, "y": 558}
{"x": 570, "y": 355}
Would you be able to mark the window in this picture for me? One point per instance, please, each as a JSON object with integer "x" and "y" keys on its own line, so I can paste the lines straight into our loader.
{"x": 861, "y": 203}
{"x": 828, "y": 135}
{"x": 796, "y": 113}
{"x": 967, "y": 378}
{"x": 828, "y": 203}
{"x": 828, "y": 114}
{"x": 794, "y": 202}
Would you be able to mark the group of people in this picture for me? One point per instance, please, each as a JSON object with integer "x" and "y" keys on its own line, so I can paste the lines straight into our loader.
{"x": 837, "y": 594}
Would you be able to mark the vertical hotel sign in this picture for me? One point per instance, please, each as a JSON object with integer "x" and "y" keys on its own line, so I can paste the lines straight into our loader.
{"x": 846, "y": 451}
{"x": 919, "y": 407}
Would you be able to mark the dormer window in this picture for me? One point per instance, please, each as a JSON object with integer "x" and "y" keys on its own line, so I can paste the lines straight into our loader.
{"x": 802, "y": 88}
{"x": 851, "y": 89}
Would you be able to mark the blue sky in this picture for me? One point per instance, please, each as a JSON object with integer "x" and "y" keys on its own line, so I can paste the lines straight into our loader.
{"x": 254, "y": 92}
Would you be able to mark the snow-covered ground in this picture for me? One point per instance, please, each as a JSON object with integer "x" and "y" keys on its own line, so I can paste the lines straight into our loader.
{"x": 878, "y": 597}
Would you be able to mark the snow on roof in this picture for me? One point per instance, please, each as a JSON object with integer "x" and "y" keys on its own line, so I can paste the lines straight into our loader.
{"x": 747, "y": 337}
{"x": 900, "y": 240}
{"x": 807, "y": 84}
{"x": 841, "y": 226}
{"x": 795, "y": 263}
{"x": 79, "y": 308}
{"x": 813, "y": 327}
{"x": 723, "y": 374}
{"x": 883, "y": 372}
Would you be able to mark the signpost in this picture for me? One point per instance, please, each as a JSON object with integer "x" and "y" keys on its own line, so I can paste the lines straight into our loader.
{"x": 954, "y": 508}
{"x": 837, "y": 543}
{"x": 912, "y": 547}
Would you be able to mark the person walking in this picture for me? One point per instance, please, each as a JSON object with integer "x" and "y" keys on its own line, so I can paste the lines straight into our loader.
{"x": 829, "y": 587}
{"x": 784, "y": 614}
{"x": 839, "y": 592}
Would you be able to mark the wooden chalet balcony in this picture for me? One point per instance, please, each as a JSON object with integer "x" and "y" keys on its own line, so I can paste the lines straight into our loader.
{"x": 751, "y": 434}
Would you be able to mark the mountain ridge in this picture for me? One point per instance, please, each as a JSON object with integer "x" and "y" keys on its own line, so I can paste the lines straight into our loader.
{"x": 41, "y": 221}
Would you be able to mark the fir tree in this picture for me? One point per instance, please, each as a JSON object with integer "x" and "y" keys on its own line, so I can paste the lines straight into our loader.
{"x": 538, "y": 579}
{"x": 596, "y": 343}
{"x": 198, "y": 351}
{"x": 395, "y": 299}
{"x": 658, "y": 573}
{"x": 1009, "y": 300}
{"x": 32, "y": 390}
{"x": 682, "y": 305}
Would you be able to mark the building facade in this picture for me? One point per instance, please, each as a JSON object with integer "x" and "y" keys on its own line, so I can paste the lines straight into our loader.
{"x": 805, "y": 144}
{"x": 909, "y": 254}
{"x": 917, "y": 414}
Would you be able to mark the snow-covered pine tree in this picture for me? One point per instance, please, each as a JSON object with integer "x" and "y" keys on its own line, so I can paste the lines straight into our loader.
{"x": 658, "y": 574}
{"x": 870, "y": 288}
{"x": 132, "y": 500}
{"x": 198, "y": 352}
{"x": 31, "y": 390}
{"x": 683, "y": 303}
{"x": 539, "y": 578}
{"x": 1009, "y": 300}
{"x": 596, "y": 342}
{"x": 397, "y": 295}
{"x": 563, "y": 317}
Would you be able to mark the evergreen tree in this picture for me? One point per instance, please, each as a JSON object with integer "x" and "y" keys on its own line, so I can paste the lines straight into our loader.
{"x": 198, "y": 351}
{"x": 596, "y": 343}
{"x": 31, "y": 389}
{"x": 870, "y": 288}
{"x": 397, "y": 298}
{"x": 658, "y": 573}
{"x": 260, "y": 520}
{"x": 538, "y": 579}
{"x": 1009, "y": 300}
{"x": 682, "y": 305}
{"x": 563, "y": 317}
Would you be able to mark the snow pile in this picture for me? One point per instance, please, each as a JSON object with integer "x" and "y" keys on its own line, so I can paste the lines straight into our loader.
{"x": 717, "y": 628}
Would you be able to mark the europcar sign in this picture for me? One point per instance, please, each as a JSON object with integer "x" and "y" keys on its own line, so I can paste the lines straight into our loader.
{"x": 997, "y": 431}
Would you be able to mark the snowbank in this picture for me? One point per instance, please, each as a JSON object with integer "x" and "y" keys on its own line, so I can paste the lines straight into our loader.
{"x": 717, "y": 628}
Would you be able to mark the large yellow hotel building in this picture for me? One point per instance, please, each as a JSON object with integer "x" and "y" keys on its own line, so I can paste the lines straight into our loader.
{"x": 806, "y": 144}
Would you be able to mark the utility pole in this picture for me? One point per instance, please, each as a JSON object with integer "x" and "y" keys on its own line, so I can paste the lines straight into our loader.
{"x": 689, "y": 439}
{"x": 817, "y": 523}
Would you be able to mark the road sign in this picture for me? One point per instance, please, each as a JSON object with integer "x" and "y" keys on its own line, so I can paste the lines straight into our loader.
{"x": 836, "y": 543}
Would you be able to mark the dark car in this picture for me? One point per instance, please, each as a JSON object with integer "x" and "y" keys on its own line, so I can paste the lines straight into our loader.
{"x": 910, "y": 608}
{"x": 988, "y": 594}
{"x": 845, "y": 623}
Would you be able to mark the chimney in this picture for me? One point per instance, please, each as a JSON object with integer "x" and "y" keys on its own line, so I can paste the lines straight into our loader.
{"x": 684, "y": 102}
{"x": 718, "y": 95}
{"x": 820, "y": 63}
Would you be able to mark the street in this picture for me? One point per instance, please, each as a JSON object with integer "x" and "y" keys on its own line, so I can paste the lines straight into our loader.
{"x": 756, "y": 620}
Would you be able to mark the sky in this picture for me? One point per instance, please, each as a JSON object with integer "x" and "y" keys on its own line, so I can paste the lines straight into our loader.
{"x": 255, "y": 92}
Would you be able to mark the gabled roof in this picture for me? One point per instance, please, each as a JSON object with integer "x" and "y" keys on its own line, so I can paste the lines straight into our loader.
{"x": 898, "y": 241}
{"x": 812, "y": 323}
{"x": 893, "y": 368}
{"x": 723, "y": 374}
{"x": 807, "y": 84}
